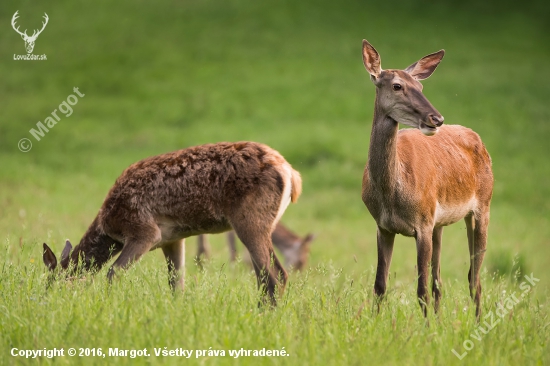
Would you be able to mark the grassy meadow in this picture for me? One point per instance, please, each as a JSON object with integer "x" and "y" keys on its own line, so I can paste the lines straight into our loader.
{"x": 160, "y": 76}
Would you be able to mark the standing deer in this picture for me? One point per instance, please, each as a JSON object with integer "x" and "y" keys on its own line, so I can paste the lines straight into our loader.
{"x": 415, "y": 185}
{"x": 29, "y": 40}
{"x": 295, "y": 249}
{"x": 161, "y": 200}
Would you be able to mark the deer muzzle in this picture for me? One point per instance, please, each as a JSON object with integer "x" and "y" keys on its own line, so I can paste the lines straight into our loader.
{"x": 436, "y": 120}
{"x": 429, "y": 128}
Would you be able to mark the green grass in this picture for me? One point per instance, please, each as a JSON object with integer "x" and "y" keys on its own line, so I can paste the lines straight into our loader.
{"x": 163, "y": 76}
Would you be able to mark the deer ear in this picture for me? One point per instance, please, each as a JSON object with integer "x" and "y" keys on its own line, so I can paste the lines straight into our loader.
{"x": 371, "y": 59}
{"x": 67, "y": 250}
{"x": 309, "y": 237}
{"x": 49, "y": 258}
{"x": 423, "y": 68}
{"x": 305, "y": 245}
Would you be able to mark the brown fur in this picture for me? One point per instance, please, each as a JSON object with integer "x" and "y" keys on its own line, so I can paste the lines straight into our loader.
{"x": 415, "y": 184}
{"x": 295, "y": 250}
{"x": 159, "y": 201}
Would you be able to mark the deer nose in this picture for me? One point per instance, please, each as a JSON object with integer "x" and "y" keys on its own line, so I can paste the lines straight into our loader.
{"x": 436, "y": 120}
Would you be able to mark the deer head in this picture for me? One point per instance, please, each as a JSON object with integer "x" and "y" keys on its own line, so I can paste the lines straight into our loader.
{"x": 29, "y": 40}
{"x": 399, "y": 92}
{"x": 297, "y": 254}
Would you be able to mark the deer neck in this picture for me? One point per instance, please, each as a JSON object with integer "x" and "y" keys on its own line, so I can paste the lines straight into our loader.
{"x": 97, "y": 245}
{"x": 382, "y": 163}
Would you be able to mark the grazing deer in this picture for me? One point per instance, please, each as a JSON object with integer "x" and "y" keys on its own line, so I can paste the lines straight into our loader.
{"x": 29, "y": 40}
{"x": 294, "y": 249}
{"x": 161, "y": 200}
{"x": 415, "y": 185}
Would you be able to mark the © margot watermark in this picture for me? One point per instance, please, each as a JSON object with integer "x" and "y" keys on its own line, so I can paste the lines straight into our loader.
{"x": 29, "y": 40}
{"x": 503, "y": 308}
{"x": 25, "y": 144}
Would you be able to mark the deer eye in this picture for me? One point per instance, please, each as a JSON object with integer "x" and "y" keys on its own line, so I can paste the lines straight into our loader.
{"x": 397, "y": 87}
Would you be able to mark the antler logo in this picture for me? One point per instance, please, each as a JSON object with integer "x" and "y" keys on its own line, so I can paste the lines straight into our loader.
{"x": 29, "y": 40}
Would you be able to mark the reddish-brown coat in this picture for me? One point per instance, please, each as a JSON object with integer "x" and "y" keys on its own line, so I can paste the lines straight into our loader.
{"x": 415, "y": 184}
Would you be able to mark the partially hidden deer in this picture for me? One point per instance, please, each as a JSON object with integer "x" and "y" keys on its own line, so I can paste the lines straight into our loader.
{"x": 159, "y": 201}
{"x": 295, "y": 249}
{"x": 419, "y": 180}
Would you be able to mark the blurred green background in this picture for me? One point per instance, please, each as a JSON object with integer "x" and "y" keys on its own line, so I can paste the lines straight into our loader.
{"x": 165, "y": 75}
{"x": 160, "y": 76}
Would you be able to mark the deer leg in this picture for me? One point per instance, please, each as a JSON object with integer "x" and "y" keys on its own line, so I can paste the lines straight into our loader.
{"x": 134, "y": 247}
{"x": 384, "y": 242}
{"x": 253, "y": 221}
{"x": 203, "y": 249}
{"x": 231, "y": 242}
{"x": 436, "y": 256}
{"x": 174, "y": 253}
{"x": 424, "y": 255}
{"x": 469, "y": 220}
{"x": 270, "y": 273}
{"x": 477, "y": 246}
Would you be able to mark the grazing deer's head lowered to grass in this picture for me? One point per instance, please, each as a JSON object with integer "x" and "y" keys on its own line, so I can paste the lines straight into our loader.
{"x": 419, "y": 180}
{"x": 295, "y": 249}
{"x": 29, "y": 40}
{"x": 161, "y": 200}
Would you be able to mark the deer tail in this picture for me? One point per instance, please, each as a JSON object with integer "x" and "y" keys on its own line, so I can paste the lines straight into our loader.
{"x": 296, "y": 185}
